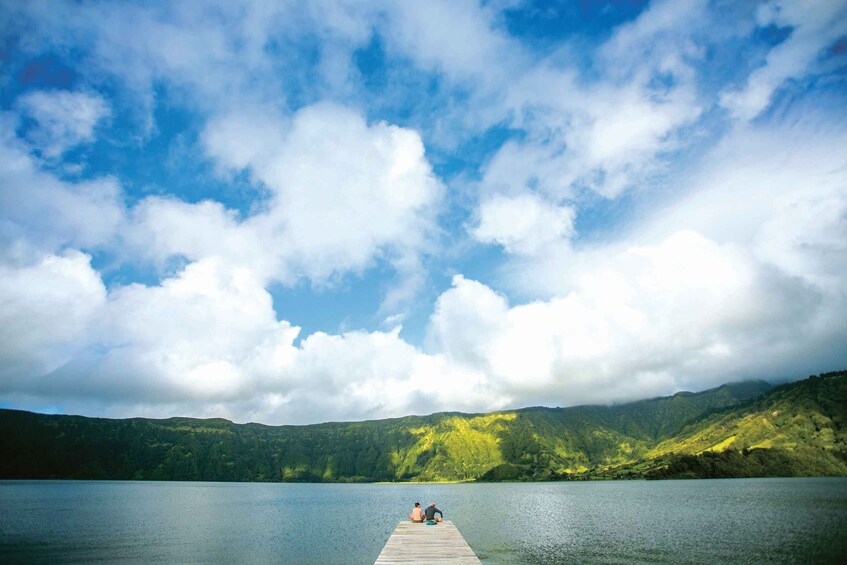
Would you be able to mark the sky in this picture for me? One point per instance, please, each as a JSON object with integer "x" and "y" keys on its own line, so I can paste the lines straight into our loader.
{"x": 294, "y": 212}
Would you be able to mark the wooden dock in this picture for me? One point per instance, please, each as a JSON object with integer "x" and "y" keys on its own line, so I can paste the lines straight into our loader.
{"x": 419, "y": 543}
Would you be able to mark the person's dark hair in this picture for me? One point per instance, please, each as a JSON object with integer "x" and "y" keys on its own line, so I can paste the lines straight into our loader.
{"x": 417, "y": 504}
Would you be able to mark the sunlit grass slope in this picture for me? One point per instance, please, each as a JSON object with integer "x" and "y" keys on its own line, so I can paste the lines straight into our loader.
{"x": 801, "y": 427}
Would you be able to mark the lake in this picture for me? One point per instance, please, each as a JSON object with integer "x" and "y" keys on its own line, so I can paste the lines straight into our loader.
{"x": 706, "y": 521}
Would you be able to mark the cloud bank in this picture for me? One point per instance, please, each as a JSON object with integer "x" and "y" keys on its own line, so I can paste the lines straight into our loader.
{"x": 607, "y": 214}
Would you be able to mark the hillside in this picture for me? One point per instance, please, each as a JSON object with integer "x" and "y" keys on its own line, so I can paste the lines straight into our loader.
{"x": 795, "y": 429}
{"x": 635, "y": 439}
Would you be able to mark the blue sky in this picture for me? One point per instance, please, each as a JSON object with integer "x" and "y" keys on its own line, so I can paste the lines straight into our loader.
{"x": 293, "y": 212}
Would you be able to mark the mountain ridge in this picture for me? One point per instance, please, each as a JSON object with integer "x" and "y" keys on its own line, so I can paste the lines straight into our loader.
{"x": 634, "y": 439}
{"x": 738, "y": 384}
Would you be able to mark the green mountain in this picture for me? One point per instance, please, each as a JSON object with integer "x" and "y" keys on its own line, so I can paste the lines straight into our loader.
{"x": 796, "y": 429}
{"x": 800, "y": 427}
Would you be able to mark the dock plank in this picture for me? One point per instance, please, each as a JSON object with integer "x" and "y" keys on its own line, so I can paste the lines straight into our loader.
{"x": 414, "y": 543}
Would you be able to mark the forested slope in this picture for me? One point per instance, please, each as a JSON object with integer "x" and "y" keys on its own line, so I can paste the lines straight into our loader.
{"x": 796, "y": 429}
{"x": 634, "y": 439}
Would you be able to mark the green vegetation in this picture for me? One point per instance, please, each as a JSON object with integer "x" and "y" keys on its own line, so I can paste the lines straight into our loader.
{"x": 746, "y": 429}
{"x": 800, "y": 462}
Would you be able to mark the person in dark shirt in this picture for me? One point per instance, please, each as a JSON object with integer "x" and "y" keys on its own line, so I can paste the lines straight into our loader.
{"x": 431, "y": 512}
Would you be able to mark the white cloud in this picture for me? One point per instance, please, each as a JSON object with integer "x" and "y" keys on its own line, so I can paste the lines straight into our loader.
{"x": 217, "y": 56}
{"x": 667, "y": 315}
{"x": 778, "y": 190}
{"x": 47, "y": 308}
{"x": 517, "y": 166}
{"x": 742, "y": 276}
{"x": 458, "y": 38}
{"x": 525, "y": 224}
{"x": 465, "y": 320}
{"x": 163, "y": 228}
{"x": 635, "y": 321}
{"x": 346, "y": 192}
{"x": 211, "y": 51}
{"x": 204, "y": 334}
{"x": 208, "y": 340}
{"x": 815, "y": 26}
{"x": 740, "y": 272}
{"x": 243, "y": 139}
{"x": 207, "y": 335}
{"x": 45, "y": 211}
{"x": 807, "y": 237}
{"x": 607, "y": 133}
{"x": 64, "y": 119}
{"x": 342, "y": 195}
{"x": 629, "y": 128}
{"x": 660, "y": 33}
{"x": 359, "y": 375}
{"x": 743, "y": 273}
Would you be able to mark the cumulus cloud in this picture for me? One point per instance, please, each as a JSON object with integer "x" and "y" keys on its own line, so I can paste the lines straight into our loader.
{"x": 525, "y": 224}
{"x": 467, "y": 318}
{"x": 661, "y": 314}
{"x": 47, "y": 212}
{"x": 380, "y": 373}
{"x": 459, "y": 38}
{"x": 372, "y": 184}
{"x": 341, "y": 195}
{"x": 46, "y": 310}
{"x": 209, "y": 336}
{"x": 203, "y": 334}
{"x": 686, "y": 301}
{"x": 737, "y": 271}
{"x": 63, "y": 119}
{"x": 742, "y": 273}
{"x": 162, "y": 228}
{"x": 637, "y": 320}
{"x": 244, "y": 139}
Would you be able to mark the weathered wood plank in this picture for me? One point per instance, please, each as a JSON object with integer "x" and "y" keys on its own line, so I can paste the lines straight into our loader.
{"x": 412, "y": 543}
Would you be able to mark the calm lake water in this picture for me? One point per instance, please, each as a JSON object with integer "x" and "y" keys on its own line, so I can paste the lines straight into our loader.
{"x": 708, "y": 521}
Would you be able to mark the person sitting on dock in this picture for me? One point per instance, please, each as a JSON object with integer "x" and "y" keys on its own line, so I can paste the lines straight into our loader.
{"x": 431, "y": 511}
{"x": 417, "y": 514}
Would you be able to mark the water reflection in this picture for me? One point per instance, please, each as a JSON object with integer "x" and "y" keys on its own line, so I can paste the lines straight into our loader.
{"x": 725, "y": 521}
